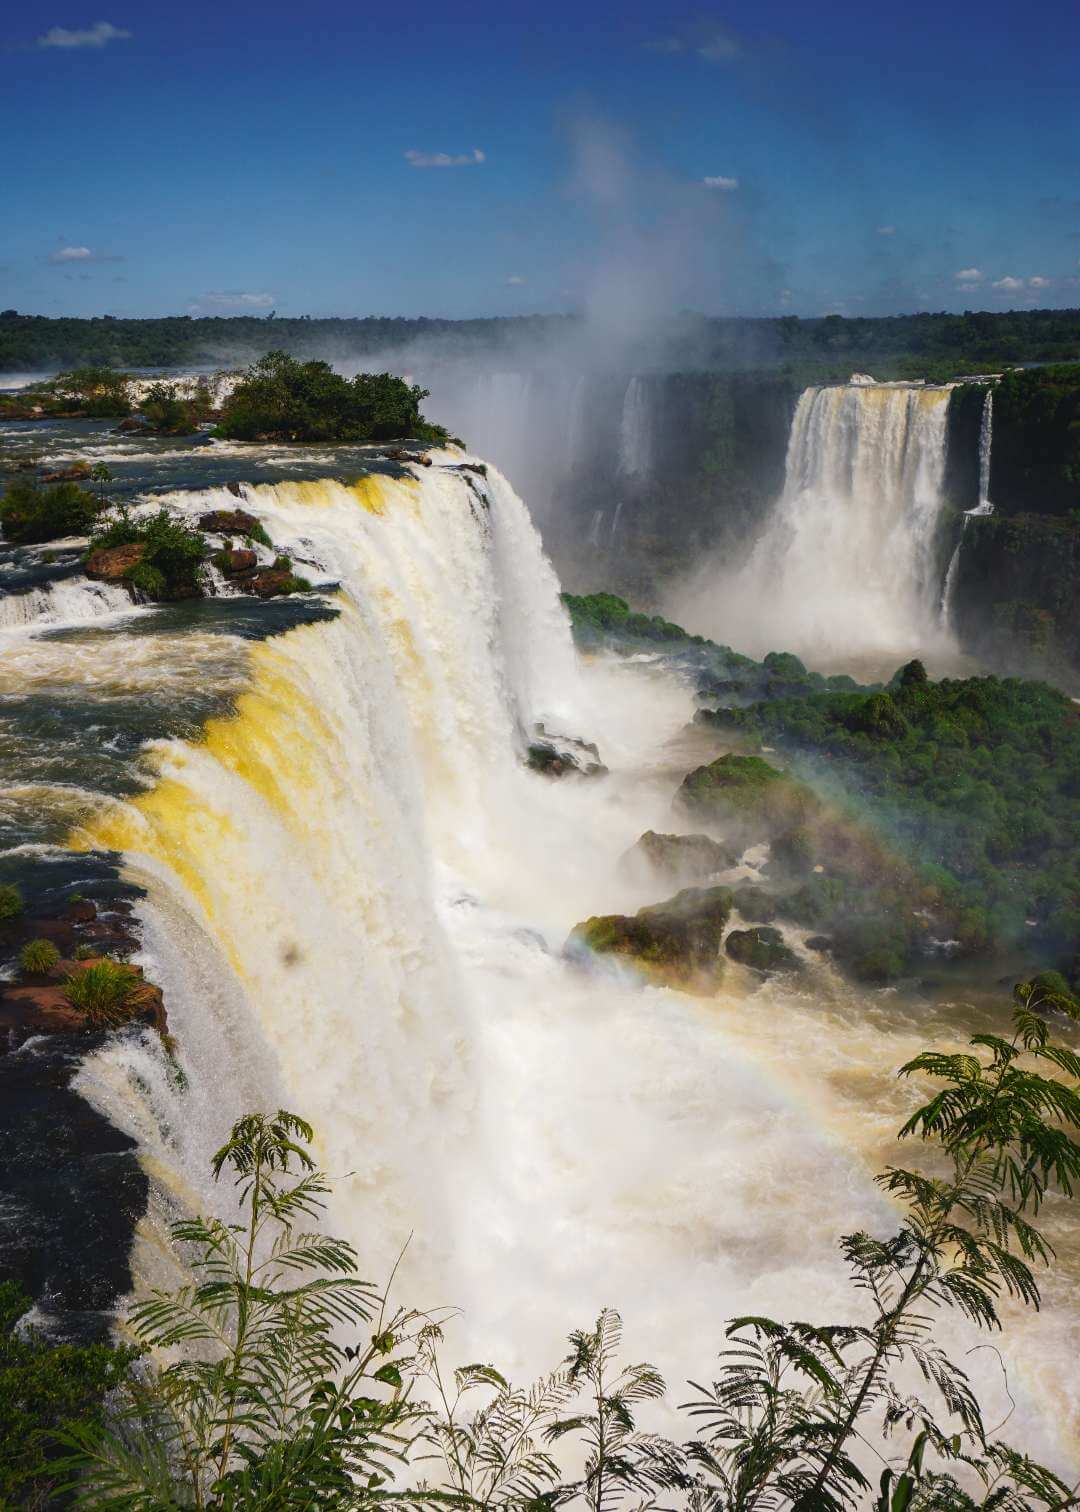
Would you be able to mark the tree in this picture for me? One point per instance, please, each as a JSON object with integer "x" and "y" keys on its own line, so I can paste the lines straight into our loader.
{"x": 265, "y": 1408}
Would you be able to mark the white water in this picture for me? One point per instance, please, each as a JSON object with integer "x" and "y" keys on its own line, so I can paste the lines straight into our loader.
{"x": 73, "y": 601}
{"x": 847, "y": 559}
{"x": 635, "y": 437}
{"x": 357, "y": 902}
{"x": 982, "y": 508}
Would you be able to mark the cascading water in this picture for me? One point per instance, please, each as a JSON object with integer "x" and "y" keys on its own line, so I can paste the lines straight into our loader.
{"x": 848, "y": 556}
{"x": 356, "y": 901}
{"x": 635, "y": 438}
{"x": 982, "y": 508}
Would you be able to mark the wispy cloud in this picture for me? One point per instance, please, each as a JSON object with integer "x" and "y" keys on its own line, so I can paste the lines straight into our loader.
{"x": 969, "y": 275}
{"x": 516, "y": 280}
{"x": 444, "y": 159}
{"x": 720, "y": 181}
{"x": 232, "y": 299}
{"x": 1038, "y": 282}
{"x": 1008, "y": 284}
{"x": 710, "y": 40}
{"x": 98, "y": 35}
{"x": 886, "y": 230}
{"x": 81, "y": 255}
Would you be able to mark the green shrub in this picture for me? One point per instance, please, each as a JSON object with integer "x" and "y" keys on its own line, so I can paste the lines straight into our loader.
{"x": 107, "y": 993}
{"x": 281, "y": 398}
{"x": 30, "y": 513}
{"x": 98, "y": 391}
{"x": 11, "y": 901}
{"x": 38, "y": 956}
{"x": 170, "y": 414}
{"x": 171, "y": 566}
{"x": 84, "y": 953}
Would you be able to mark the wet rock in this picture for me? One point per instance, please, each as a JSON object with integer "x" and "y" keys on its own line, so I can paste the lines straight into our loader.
{"x": 78, "y": 472}
{"x": 272, "y": 582}
{"x": 677, "y": 858}
{"x": 762, "y": 948}
{"x": 81, "y": 911}
{"x": 41, "y": 1006}
{"x": 133, "y": 426}
{"x": 672, "y": 944}
{"x": 748, "y": 795}
{"x": 113, "y": 564}
{"x": 228, "y": 521}
{"x": 556, "y": 755}
{"x": 232, "y": 563}
{"x": 819, "y": 943}
{"x": 755, "y": 905}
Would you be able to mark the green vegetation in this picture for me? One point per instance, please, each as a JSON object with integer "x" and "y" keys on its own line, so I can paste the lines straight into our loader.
{"x": 285, "y": 400}
{"x": 675, "y": 943}
{"x": 268, "y": 1407}
{"x": 920, "y": 345}
{"x": 45, "y": 1390}
{"x": 170, "y": 565}
{"x": 11, "y": 900}
{"x": 98, "y": 392}
{"x": 975, "y": 782}
{"x": 1036, "y": 457}
{"x": 107, "y": 992}
{"x": 30, "y": 513}
{"x": 172, "y": 415}
{"x": 37, "y": 957}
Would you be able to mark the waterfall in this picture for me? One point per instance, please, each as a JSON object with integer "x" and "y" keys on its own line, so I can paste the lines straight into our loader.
{"x": 70, "y": 601}
{"x": 356, "y": 900}
{"x": 848, "y": 556}
{"x": 635, "y": 438}
{"x": 982, "y": 508}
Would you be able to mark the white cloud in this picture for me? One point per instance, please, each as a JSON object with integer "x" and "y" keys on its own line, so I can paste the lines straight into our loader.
{"x": 1038, "y": 282}
{"x": 444, "y": 159}
{"x": 969, "y": 275}
{"x": 719, "y": 181}
{"x": 886, "y": 230}
{"x": 1008, "y": 284}
{"x": 516, "y": 280}
{"x": 720, "y": 47}
{"x": 786, "y": 296}
{"x": 98, "y": 35}
{"x": 716, "y": 44}
{"x": 72, "y": 254}
{"x": 232, "y": 299}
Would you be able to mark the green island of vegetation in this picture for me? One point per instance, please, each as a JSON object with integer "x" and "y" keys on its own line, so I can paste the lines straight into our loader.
{"x": 906, "y": 813}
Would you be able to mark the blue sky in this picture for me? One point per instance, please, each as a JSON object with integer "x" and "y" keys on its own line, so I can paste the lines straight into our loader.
{"x": 336, "y": 158}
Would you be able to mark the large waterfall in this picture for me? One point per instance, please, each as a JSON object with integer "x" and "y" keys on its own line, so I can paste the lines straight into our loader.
{"x": 849, "y": 557}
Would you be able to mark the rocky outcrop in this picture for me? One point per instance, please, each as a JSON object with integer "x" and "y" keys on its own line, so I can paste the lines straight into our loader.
{"x": 762, "y": 948}
{"x": 747, "y": 797}
{"x": 557, "y": 755}
{"x": 671, "y": 944}
{"x": 233, "y": 563}
{"x": 114, "y": 564}
{"x": 271, "y": 582}
{"x": 228, "y": 522}
{"x": 755, "y": 905}
{"x": 78, "y": 472}
{"x": 680, "y": 859}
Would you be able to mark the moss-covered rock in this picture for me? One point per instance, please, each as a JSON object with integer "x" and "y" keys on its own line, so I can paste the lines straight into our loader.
{"x": 677, "y": 858}
{"x": 672, "y": 944}
{"x": 755, "y": 905}
{"x": 762, "y": 948}
{"x": 748, "y": 795}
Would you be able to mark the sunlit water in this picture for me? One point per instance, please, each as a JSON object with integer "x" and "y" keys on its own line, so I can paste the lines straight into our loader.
{"x": 356, "y": 901}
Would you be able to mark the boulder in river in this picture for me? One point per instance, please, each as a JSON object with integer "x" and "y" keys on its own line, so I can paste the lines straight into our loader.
{"x": 228, "y": 522}
{"x": 672, "y": 944}
{"x": 556, "y": 755}
{"x": 748, "y": 796}
{"x": 762, "y": 948}
{"x": 677, "y": 858}
{"x": 234, "y": 562}
{"x": 113, "y": 564}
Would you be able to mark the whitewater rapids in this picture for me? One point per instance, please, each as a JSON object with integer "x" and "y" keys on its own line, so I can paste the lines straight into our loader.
{"x": 357, "y": 898}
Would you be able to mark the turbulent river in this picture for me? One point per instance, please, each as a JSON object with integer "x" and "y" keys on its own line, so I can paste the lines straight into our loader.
{"x": 355, "y": 896}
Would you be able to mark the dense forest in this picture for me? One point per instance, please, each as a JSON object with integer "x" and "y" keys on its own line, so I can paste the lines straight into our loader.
{"x": 922, "y": 345}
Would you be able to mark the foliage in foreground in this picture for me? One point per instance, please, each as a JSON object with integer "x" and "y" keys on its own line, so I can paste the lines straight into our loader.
{"x": 258, "y": 1402}
{"x": 108, "y": 993}
{"x": 283, "y": 399}
{"x": 44, "y": 1389}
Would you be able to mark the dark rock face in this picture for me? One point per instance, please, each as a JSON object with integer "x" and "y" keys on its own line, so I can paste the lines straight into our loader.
{"x": 672, "y": 944}
{"x": 271, "y": 582}
{"x": 228, "y": 522}
{"x": 762, "y": 948}
{"x": 755, "y": 905}
{"x": 112, "y": 564}
{"x": 556, "y": 755}
{"x": 78, "y": 472}
{"x": 677, "y": 858}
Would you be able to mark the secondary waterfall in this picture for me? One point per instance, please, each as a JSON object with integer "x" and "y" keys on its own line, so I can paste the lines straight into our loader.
{"x": 983, "y": 507}
{"x": 635, "y": 441}
{"x": 849, "y": 555}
